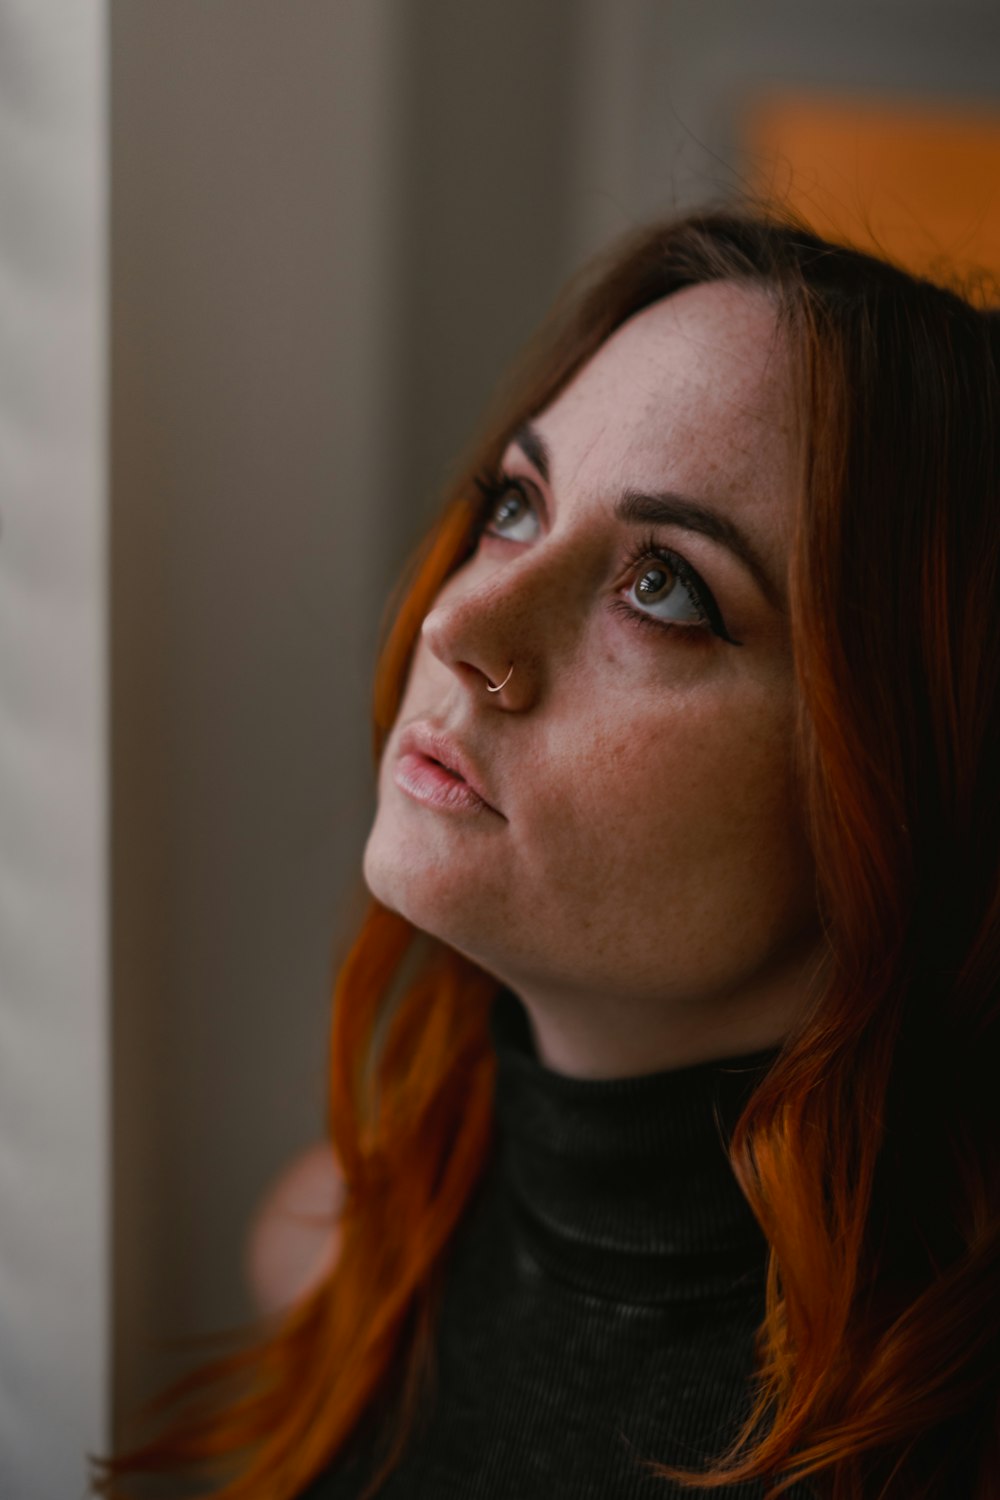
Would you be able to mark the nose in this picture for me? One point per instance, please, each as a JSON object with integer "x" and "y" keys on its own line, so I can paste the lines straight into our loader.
{"x": 488, "y": 632}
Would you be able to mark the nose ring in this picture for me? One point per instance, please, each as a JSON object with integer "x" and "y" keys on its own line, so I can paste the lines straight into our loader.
{"x": 491, "y": 689}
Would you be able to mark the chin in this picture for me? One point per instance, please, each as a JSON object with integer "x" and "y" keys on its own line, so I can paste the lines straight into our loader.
{"x": 426, "y": 894}
{"x": 381, "y": 875}
{"x": 412, "y": 888}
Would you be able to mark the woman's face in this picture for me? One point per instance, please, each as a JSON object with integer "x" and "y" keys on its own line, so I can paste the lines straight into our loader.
{"x": 639, "y": 876}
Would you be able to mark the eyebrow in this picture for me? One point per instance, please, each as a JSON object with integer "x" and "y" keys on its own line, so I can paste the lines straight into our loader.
{"x": 667, "y": 508}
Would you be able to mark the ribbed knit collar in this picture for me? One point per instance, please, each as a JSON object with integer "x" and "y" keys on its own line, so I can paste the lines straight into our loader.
{"x": 622, "y": 1187}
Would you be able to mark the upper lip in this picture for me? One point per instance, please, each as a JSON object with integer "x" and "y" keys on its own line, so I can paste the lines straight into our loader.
{"x": 437, "y": 745}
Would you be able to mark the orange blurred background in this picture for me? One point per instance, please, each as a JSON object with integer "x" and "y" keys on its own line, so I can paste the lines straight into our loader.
{"x": 916, "y": 183}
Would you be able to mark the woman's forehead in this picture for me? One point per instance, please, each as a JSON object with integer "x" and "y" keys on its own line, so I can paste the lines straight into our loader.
{"x": 718, "y": 339}
{"x": 693, "y": 389}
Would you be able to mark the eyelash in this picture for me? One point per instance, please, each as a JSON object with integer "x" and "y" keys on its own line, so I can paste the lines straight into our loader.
{"x": 492, "y": 487}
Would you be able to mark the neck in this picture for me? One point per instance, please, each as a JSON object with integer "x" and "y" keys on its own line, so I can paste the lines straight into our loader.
{"x": 595, "y": 1041}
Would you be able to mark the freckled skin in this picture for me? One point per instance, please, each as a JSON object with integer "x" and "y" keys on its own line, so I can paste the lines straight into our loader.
{"x": 648, "y": 892}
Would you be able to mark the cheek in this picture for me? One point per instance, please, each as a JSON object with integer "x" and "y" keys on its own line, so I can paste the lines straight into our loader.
{"x": 703, "y": 799}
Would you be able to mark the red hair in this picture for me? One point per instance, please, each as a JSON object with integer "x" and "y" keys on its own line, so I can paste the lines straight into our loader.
{"x": 870, "y": 1153}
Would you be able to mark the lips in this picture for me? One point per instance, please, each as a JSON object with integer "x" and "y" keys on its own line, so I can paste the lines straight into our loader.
{"x": 439, "y": 747}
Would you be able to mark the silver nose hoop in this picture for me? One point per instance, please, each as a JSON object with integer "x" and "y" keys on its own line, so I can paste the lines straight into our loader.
{"x": 491, "y": 689}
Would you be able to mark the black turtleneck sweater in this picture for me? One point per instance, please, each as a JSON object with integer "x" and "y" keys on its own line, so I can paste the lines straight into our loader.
{"x": 601, "y": 1298}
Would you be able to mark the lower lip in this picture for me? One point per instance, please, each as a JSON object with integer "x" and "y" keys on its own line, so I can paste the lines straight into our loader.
{"x": 426, "y": 781}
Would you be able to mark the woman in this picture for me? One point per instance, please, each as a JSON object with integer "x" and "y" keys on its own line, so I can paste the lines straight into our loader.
{"x": 662, "y": 1067}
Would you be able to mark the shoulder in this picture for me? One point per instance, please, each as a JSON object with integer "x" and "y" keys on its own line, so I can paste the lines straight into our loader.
{"x": 294, "y": 1234}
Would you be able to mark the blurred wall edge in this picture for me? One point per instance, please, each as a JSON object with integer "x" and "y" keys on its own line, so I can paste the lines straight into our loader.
{"x": 54, "y": 1064}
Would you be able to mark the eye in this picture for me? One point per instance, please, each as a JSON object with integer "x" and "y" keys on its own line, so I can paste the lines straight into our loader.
{"x": 661, "y": 589}
{"x": 507, "y": 509}
{"x": 667, "y": 592}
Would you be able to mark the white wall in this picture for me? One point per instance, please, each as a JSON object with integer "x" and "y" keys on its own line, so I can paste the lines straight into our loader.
{"x": 54, "y": 1064}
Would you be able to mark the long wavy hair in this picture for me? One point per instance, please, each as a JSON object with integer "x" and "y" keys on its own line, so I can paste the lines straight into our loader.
{"x": 870, "y": 1152}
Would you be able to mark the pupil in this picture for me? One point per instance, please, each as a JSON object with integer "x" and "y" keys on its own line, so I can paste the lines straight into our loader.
{"x": 658, "y": 573}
